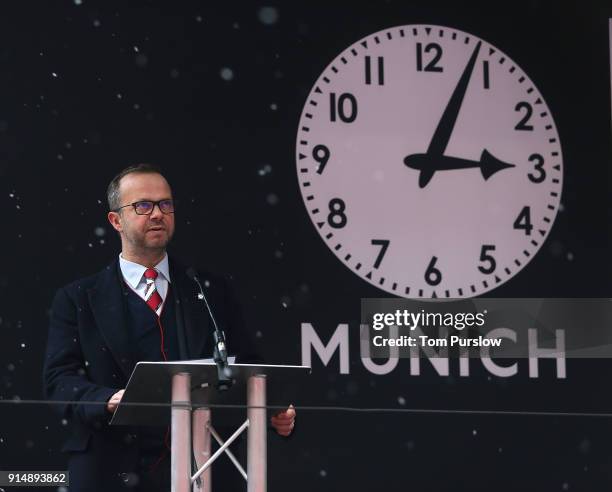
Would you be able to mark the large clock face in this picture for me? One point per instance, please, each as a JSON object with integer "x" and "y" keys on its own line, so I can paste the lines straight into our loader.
{"x": 429, "y": 162}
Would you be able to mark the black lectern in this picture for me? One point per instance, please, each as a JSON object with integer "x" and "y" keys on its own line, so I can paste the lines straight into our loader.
{"x": 190, "y": 387}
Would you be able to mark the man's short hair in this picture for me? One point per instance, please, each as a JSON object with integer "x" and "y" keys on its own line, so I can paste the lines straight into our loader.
{"x": 112, "y": 192}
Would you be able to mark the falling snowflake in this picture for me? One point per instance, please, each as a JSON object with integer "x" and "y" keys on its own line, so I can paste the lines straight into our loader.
{"x": 266, "y": 169}
{"x": 268, "y": 15}
{"x": 227, "y": 73}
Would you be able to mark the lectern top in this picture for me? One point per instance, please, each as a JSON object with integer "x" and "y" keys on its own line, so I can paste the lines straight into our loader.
{"x": 150, "y": 386}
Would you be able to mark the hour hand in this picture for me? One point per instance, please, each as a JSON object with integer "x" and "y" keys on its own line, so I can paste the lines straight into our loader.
{"x": 428, "y": 164}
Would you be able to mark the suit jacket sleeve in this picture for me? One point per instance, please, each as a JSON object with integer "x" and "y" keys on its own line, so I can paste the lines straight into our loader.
{"x": 64, "y": 372}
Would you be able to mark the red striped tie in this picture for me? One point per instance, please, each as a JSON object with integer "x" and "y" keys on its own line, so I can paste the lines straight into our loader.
{"x": 152, "y": 297}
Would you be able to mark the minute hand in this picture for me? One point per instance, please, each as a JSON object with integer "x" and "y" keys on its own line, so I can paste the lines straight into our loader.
{"x": 440, "y": 139}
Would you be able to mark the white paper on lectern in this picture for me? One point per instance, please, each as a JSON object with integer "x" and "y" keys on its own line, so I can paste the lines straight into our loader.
{"x": 230, "y": 359}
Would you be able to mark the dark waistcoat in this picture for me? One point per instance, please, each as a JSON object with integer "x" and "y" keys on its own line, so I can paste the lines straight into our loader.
{"x": 147, "y": 339}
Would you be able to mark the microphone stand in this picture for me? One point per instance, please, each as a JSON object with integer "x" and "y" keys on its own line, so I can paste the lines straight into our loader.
{"x": 224, "y": 373}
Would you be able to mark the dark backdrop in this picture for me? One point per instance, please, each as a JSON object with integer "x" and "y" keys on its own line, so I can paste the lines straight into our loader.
{"x": 89, "y": 87}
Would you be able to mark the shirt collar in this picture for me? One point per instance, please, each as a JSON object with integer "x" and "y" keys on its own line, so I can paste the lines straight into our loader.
{"x": 133, "y": 272}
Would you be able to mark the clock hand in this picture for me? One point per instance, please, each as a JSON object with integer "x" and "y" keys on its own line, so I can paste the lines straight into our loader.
{"x": 442, "y": 135}
{"x": 428, "y": 164}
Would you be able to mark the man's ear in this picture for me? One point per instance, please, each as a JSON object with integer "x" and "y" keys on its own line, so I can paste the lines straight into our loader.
{"x": 115, "y": 220}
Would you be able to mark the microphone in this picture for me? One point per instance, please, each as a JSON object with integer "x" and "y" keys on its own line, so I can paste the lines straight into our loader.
{"x": 224, "y": 373}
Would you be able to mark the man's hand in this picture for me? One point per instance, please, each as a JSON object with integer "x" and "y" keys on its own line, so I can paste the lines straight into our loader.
{"x": 284, "y": 421}
{"x": 114, "y": 400}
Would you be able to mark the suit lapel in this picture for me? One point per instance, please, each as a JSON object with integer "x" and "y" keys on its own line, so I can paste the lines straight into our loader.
{"x": 107, "y": 304}
{"x": 192, "y": 320}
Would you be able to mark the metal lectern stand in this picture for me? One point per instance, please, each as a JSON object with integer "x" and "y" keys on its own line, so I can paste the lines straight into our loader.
{"x": 189, "y": 384}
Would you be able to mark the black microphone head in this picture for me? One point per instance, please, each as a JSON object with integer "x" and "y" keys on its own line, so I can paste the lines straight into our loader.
{"x": 191, "y": 273}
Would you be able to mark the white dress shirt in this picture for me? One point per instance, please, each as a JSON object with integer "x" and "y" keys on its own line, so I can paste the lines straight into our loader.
{"x": 133, "y": 274}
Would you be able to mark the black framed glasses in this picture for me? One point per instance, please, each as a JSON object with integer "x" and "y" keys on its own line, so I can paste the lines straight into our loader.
{"x": 145, "y": 207}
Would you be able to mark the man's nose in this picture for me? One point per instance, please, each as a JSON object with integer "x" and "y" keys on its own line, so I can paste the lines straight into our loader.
{"x": 157, "y": 213}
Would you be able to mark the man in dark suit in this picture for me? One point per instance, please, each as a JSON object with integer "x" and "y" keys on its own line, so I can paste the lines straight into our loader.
{"x": 140, "y": 307}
